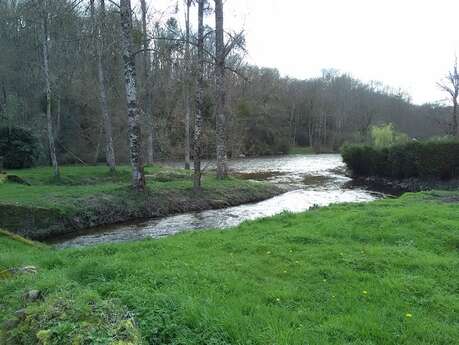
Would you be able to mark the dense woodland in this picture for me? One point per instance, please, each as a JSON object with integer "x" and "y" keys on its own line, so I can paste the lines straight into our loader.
{"x": 65, "y": 68}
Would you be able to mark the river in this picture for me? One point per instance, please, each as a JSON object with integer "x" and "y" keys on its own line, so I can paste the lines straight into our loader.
{"x": 314, "y": 180}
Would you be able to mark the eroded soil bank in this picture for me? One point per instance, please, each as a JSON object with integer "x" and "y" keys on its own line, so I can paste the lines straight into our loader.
{"x": 86, "y": 197}
{"x": 40, "y": 223}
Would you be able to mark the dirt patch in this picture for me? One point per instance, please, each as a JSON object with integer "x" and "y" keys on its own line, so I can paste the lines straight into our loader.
{"x": 258, "y": 175}
{"x": 310, "y": 180}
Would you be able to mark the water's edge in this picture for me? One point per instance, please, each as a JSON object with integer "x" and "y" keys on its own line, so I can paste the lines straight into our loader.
{"x": 312, "y": 180}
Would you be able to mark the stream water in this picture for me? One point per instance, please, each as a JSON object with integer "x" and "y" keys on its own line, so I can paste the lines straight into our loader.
{"x": 314, "y": 180}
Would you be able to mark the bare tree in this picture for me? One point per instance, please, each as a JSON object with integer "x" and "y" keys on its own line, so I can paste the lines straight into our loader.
{"x": 187, "y": 88}
{"x": 134, "y": 131}
{"x": 220, "y": 56}
{"x": 451, "y": 86}
{"x": 45, "y": 42}
{"x": 146, "y": 85}
{"x": 197, "y": 137}
{"x": 99, "y": 33}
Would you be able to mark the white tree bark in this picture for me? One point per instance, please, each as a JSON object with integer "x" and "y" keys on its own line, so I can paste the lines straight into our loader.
{"x": 197, "y": 137}
{"x": 221, "y": 94}
{"x": 187, "y": 87}
{"x": 45, "y": 41}
{"x": 134, "y": 132}
{"x": 146, "y": 86}
{"x": 99, "y": 32}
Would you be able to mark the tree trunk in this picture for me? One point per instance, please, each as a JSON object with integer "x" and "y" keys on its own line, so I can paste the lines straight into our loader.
{"x": 134, "y": 132}
{"x": 221, "y": 95}
{"x": 197, "y": 145}
{"x": 106, "y": 115}
{"x": 49, "y": 120}
{"x": 146, "y": 87}
{"x": 455, "y": 125}
{"x": 187, "y": 87}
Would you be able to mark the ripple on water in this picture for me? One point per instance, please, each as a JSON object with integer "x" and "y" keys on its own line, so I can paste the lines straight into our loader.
{"x": 319, "y": 178}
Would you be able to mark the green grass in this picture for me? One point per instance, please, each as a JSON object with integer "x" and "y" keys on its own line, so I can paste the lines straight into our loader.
{"x": 301, "y": 150}
{"x": 378, "y": 273}
{"x": 83, "y": 181}
{"x": 88, "y": 196}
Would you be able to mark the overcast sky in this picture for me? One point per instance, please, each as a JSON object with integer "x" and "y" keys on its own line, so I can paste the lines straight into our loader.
{"x": 407, "y": 44}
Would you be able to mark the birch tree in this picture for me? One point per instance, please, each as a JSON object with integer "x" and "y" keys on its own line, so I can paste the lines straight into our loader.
{"x": 147, "y": 103}
{"x": 197, "y": 137}
{"x": 450, "y": 85}
{"x": 49, "y": 121}
{"x": 187, "y": 98}
{"x": 134, "y": 132}
{"x": 99, "y": 34}
{"x": 220, "y": 56}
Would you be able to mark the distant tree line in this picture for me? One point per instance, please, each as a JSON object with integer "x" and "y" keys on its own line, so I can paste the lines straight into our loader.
{"x": 70, "y": 71}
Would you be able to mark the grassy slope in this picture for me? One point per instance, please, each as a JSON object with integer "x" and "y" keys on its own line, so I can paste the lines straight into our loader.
{"x": 92, "y": 196}
{"x": 379, "y": 273}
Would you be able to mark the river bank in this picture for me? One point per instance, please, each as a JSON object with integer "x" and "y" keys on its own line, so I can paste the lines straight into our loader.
{"x": 85, "y": 197}
{"x": 382, "y": 273}
{"x": 400, "y": 186}
{"x": 313, "y": 181}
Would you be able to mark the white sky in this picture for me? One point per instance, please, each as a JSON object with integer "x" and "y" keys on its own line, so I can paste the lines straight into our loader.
{"x": 407, "y": 44}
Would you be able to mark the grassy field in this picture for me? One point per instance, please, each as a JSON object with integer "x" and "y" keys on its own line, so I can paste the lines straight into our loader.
{"x": 82, "y": 181}
{"x": 378, "y": 273}
{"x": 88, "y": 196}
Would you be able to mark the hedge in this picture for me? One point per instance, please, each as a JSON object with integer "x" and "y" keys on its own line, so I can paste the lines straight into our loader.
{"x": 18, "y": 148}
{"x": 429, "y": 160}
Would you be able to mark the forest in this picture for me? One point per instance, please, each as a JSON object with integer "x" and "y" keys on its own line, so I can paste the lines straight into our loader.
{"x": 75, "y": 103}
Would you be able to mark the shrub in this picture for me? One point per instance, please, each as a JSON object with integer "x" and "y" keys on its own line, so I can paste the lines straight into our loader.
{"x": 431, "y": 159}
{"x": 18, "y": 147}
{"x": 386, "y": 135}
{"x": 365, "y": 160}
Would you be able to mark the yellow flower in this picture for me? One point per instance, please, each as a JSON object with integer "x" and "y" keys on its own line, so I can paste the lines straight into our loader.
{"x": 408, "y": 315}
{"x": 277, "y": 299}
{"x": 365, "y": 292}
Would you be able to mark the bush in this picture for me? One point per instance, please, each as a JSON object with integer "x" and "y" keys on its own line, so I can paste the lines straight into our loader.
{"x": 386, "y": 136}
{"x": 365, "y": 160}
{"x": 431, "y": 159}
{"x": 18, "y": 147}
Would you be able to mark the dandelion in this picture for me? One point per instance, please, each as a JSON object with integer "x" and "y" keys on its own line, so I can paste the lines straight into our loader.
{"x": 408, "y": 315}
{"x": 277, "y": 299}
{"x": 365, "y": 292}
{"x": 291, "y": 251}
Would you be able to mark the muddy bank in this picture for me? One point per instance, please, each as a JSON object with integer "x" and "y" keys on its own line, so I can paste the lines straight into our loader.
{"x": 398, "y": 187}
{"x": 43, "y": 223}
